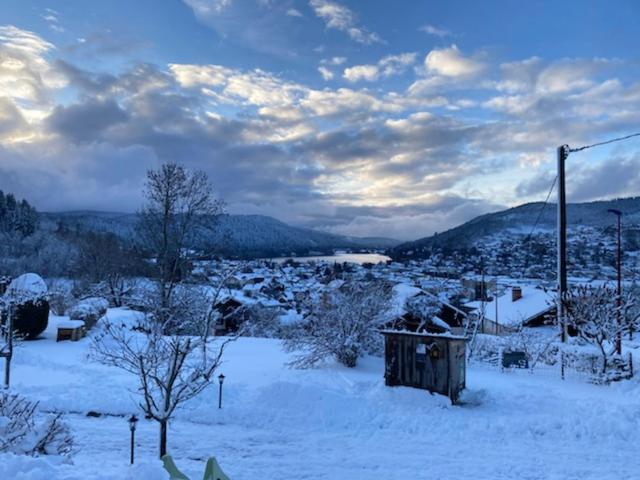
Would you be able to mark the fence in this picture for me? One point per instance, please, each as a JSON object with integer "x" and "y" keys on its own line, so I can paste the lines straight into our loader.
{"x": 569, "y": 365}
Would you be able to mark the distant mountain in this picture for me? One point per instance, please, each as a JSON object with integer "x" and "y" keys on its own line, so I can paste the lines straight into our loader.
{"x": 521, "y": 220}
{"x": 244, "y": 236}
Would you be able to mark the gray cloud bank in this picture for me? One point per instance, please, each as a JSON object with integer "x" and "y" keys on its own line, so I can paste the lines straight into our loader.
{"x": 463, "y": 138}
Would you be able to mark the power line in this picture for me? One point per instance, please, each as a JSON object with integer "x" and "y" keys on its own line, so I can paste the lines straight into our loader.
{"x": 544, "y": 204}
{"x": 619, "y": 139}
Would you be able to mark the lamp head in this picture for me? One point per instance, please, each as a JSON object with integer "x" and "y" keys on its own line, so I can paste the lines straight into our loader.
{"x": 132, "y": 422}
{"x": 221, "y": 378}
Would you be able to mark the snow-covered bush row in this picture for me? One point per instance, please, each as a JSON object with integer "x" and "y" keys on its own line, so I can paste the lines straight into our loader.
{"x": 89, "y": 310}
{"x": 260, "y": 321}
{"x": 21, "y": 433}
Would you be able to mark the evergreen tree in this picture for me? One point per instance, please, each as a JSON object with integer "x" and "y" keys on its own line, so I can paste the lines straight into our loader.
{"x": 17, "y": 217}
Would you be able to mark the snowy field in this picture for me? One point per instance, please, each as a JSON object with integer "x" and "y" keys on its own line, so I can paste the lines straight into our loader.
{"x": 333, "y": 422}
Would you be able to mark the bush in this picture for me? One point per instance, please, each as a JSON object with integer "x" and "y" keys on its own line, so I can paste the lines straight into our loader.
{"x": 90, "y": 310}
{"x": 21, "y": 434}
{"x": 31, "y": 318}
{"x": 343, "y": 324}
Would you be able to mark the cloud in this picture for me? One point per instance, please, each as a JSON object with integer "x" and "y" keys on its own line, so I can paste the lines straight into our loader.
{"x": 339, "y": 17}
{"x": 361, "y": 72}
{"x": 13, "y": 125}
{"x": 449, "y": 62}
{"x": 408, "y": 222}
{"x": 386, "y": 67}
{"x": 52, "y": 17}
{"x": 25, "y": 71}
{"x": 294, "y": 12}
{"x": 97, "y": 45}
{"x": 622, "y": 175}
{"x": 539, "y": 184}
{"x": 463, "y": 138}
{"x": 325, "y": 72}
{"x": 325, "y": 64}
{"x": 435, "y": 31}
{"x": 267, "y": 27}
{"x": 208, "y": 7}
{"x": 86, "y": 122}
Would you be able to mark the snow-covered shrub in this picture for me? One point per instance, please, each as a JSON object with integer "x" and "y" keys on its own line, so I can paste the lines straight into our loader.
{"x": 535, "y": 344}
{"x": 60, "y": 296}
{"x": 424, "y": 307}
{"x": 30, "y": 307}
{"x": 487, "y": 348}
{"x": 21, "y": 433}
{"x": 89, "y": 310}
{"x": 260, "y": 321}
{"x": 343, "y": 324}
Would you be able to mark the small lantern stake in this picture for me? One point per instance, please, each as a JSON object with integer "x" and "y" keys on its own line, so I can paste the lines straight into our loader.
{"x": 132, "y": 427}
{"x": 221, "y": 380}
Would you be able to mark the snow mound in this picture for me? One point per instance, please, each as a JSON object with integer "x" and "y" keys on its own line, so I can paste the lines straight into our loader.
{"x": 89, "y": 310}
{"x": 22, "y": 467}
{"x": 27, "y": 287}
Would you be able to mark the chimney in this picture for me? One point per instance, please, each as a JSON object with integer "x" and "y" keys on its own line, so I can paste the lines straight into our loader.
{"x": 516, "y": 294}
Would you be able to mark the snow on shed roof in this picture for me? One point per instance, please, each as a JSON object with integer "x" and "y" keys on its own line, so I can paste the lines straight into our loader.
{"x": 401, "y": 293}
{"x": 422, "y": 334}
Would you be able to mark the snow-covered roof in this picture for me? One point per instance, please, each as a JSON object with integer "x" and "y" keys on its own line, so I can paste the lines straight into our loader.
{"x": 401, "y": 293}
{"x": 422, "y": 334}
{"x": 534, "y": 302}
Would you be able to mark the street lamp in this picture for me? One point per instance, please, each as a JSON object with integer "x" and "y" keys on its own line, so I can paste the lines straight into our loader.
{"x": 132, "y": 427}
{"x": 618, "y": 214}
{"x": 221, "y": 380}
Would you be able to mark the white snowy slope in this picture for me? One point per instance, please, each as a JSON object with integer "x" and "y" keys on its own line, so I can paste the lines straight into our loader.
{"x": 333, "y": 422}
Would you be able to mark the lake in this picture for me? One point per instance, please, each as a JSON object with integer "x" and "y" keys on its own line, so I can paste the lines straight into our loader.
{"x": 339, "y": 258}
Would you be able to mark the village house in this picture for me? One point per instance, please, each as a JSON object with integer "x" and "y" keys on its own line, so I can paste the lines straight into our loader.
{"x": 520, "y": 305}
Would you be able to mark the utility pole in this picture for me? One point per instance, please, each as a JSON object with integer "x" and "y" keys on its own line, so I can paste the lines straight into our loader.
{"x": 618, "y": 214}
{"x": 496, "y": 299}
{"x": 563, "y": 153}
{"x": 482, "y": 304}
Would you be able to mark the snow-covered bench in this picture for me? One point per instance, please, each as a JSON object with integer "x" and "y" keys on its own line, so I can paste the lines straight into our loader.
{"x": 70, "y": 330}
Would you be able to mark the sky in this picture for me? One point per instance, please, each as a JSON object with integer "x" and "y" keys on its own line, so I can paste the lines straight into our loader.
{"x": 370, "y": 118}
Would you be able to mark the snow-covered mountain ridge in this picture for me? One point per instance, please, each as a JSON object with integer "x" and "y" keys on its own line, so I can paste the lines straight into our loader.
{"x": 246, "y": 236}
{"x": 521, "y": 220}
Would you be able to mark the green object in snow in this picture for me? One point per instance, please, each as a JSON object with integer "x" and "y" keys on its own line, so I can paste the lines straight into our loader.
{"x": 170, "y": 467}
{"x": 213, "y": 471}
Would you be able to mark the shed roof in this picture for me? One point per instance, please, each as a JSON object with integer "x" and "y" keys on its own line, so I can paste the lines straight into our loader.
{"x": 448, "y": 336}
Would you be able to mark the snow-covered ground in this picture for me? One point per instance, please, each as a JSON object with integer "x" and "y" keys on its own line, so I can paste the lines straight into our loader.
{"x": 333, "y": 422}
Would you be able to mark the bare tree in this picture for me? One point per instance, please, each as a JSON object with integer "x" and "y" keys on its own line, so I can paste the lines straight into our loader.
{"x": 343, "y": 324}
{"x": 178, "y": 204}
{"x": 171, "y": 369}
{"x": 110, "y": 266}
{"x": 593, "y": 312}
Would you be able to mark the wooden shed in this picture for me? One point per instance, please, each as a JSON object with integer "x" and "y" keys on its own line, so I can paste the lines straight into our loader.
{"x": 434, "y": 362}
